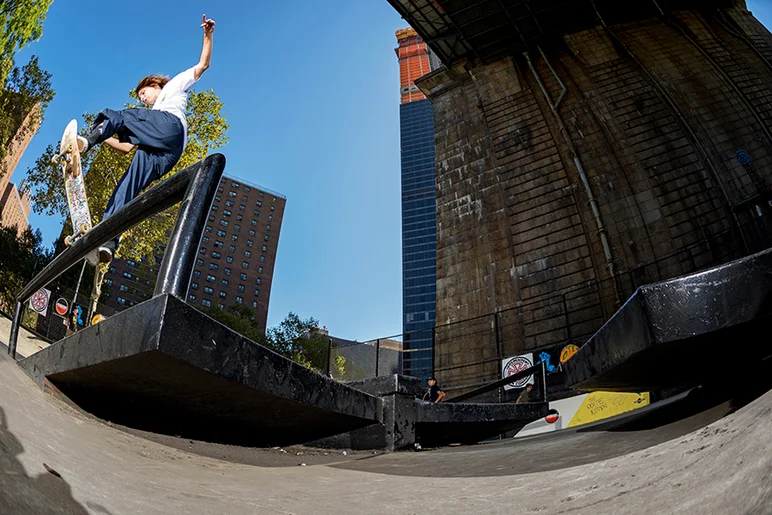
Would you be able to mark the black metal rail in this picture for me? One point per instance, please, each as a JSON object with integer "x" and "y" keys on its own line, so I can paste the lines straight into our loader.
{"x": 195, "y": 187}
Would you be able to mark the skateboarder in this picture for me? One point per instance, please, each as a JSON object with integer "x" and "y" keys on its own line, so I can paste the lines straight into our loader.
{"x": 159, "y": 134}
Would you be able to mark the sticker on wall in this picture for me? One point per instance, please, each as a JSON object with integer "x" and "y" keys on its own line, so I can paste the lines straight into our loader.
{"x": 515, "y": 364}
{"x": 39, "y": 301}
{"x": 567, "y": 352}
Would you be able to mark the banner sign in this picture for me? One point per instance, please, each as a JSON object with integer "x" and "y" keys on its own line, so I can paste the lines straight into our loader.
{"x": 515, "y": 364}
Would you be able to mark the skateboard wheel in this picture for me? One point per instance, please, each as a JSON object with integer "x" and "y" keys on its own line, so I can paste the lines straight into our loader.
{"x": 67, "y": 241}
{"x": 83, "y": 228}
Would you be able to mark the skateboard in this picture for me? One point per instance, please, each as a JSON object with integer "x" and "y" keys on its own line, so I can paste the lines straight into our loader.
{"x": 68, "y": 160}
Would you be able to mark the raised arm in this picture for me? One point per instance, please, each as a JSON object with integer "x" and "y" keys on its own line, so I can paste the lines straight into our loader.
{"x": 206, "y": 48}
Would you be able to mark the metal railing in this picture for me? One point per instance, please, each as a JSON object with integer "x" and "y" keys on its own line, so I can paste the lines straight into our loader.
{"x": 194, "y": 187}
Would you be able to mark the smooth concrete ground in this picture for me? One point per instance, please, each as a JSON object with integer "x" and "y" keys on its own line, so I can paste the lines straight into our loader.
{"x": 724, "y": 467}
{"x": 27, "y": 343}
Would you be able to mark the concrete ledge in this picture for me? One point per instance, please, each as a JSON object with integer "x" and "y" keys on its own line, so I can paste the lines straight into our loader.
{"x": 165, "y": 367}
{"x": 445, "y": 423}
{"x": 669, "y": 334}
{"x": 388, "y": 385}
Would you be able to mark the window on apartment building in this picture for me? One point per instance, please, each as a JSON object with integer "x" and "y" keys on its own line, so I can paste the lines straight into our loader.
{"x": 244, "y": 264}
{"x": 227, "y": 271}
{"x": 214, "y": 208}
{"x": 224, "y": 223}
{"x": 257, "y": 293}
{"x": 235, "y": 237}
{"x": 251, "y": 232}
{"x": 229, "y": 259}
{"x": 208, "y": 228}
{"x": 265, "y": 237}
{"x": 193, "y": 286}
{"x": 215, "y": 255}
{"x": 213, "y": 266}
{"x": 202, "y": 250}
{"x": 127, "y": 275}
{"x": 121, "y": 301}
{"x": 205, "y": 239}
{"x": 235, "y": 185}
{"x": 256, "y": 212}
{"x": 262, "y": 258}
{"x": 218, "y": 244}
{"x": 241, "y": 288}
{"x": 232, "y": 248}
{"x": 200, "y": 262}
{"x": 225, "y": 282}
{"x": 220, "y": 189}
{"x": 211, "y": 218}
{"x": 254, "y": 304}
{"x": 261, "y": 194}
{"x": 237, "y": 227}
{"x": 268, "y": 227}
{"x": 247, "y": 253}
{"x": 210, "y": 278}
{"x": 258, "y": 281}
{"x": 217, "y": 198}
{"x": 249, "y": 243}
{"x": 223, "y": 180}
{"x": 239, "y": 300}
{"x": 229, "y": 203}
{"x": 270, "y": 217}
{"x": 208, "y": 289}
{"x": 260, "y": 270}
{"x": 206, "y": 302}
{"x": 221, "y": 233}
{"x": 192, "y": 298}
{"x": 112, "y": 269}
{"x": 274, "y": 199}
{"x": 197, "y": 273}
{"x": 222, "y": 294}
{"x": 123, "y": 287}
{"x": 253, "y": 223}
{"x": 247, "y": 189}
{"x": 226, "y": 212}
{"x": 243, "y": 276}
{"x": 259, "y": 203}
{"x": 109, "y": 282}
{"x": 232, "y": 194}
{"x": 265, "y": 248}
{"x": 242, "y": 207}
{"x": 239, "y": 218}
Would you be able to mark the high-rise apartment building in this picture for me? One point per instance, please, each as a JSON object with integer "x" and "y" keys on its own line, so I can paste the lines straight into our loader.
{"x": 14, "y": 201}
{"x": 419, "y": 218}
{"x": 236, "y": 259}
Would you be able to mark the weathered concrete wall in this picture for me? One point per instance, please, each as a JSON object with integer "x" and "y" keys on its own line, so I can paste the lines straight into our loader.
{"x": 656, "y": 118}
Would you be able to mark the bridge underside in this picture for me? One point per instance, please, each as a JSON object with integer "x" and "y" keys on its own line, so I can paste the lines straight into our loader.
{"x": 491, "y": 29}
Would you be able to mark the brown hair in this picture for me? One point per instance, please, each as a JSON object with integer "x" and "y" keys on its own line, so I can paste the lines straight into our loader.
{"x": 152, "y": 80}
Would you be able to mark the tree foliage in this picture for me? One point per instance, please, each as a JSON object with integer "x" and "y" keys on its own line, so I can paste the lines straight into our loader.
{"x": 104, "y": 167}
{"x": 20, "y": 258}
{"x": 296, "y": 338}
{"x": 21, "y": 22}
{"x": 23, "y": 102}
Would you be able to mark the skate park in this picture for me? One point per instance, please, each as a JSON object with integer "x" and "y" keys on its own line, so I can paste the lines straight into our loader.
{"x": 161, "y": 409}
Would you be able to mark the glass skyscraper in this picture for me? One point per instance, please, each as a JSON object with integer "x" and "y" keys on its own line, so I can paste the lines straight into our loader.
{"x": 419, "y": 217}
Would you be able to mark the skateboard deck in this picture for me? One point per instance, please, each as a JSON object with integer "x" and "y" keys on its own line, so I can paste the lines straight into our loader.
{"x": 68, "y": 160}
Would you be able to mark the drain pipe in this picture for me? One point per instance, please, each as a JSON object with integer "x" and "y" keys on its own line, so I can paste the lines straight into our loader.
{"x": 577, "y": 163}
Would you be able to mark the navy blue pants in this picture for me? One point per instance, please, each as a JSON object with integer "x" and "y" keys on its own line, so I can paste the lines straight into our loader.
{"x": 159, "y": 138}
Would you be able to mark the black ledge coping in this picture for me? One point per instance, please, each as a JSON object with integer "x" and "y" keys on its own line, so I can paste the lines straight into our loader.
{"x": 677, "y": 333}
{"x": 388, "y": 385}
{"x": 444, "y": 423}
{"x": 165, "y": 367}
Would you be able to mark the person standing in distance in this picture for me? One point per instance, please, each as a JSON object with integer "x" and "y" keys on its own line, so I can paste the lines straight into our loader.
{"x": 435, "y": 394}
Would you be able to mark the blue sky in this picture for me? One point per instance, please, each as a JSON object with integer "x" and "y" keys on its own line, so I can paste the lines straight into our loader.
{"x": 311, "y": 94}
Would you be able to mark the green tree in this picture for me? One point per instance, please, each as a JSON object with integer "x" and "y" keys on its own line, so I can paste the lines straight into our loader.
{"x": 295, "y": 338}
{"x": 23, "y": 102}
{"x": 20, "y": 258}
{"x": 104, "y": 167}
{"x": 21, "y": 22}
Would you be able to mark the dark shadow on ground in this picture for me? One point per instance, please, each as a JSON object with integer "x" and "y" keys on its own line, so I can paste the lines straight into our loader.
{"x": 45, "y": 493}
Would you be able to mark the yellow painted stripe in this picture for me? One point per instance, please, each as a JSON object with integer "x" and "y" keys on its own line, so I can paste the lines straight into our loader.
{"x": 599, "y": 405}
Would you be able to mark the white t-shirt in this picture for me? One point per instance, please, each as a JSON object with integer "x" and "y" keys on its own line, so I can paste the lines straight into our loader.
{"x": 174, "y": 98}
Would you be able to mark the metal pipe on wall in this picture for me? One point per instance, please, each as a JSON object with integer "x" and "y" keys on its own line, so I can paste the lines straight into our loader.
{"x": 578, "y": 164}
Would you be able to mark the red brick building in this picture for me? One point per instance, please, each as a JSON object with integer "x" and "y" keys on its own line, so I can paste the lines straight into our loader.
{"x": 14, "y": 207}
{"x": 237, "y": 255}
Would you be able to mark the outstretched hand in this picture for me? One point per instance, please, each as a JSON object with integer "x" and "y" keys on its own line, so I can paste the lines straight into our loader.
{"x": 207, "y": 25}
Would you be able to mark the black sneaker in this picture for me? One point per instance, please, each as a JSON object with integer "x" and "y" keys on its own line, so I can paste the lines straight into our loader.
{"x": 105, "y": 254}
